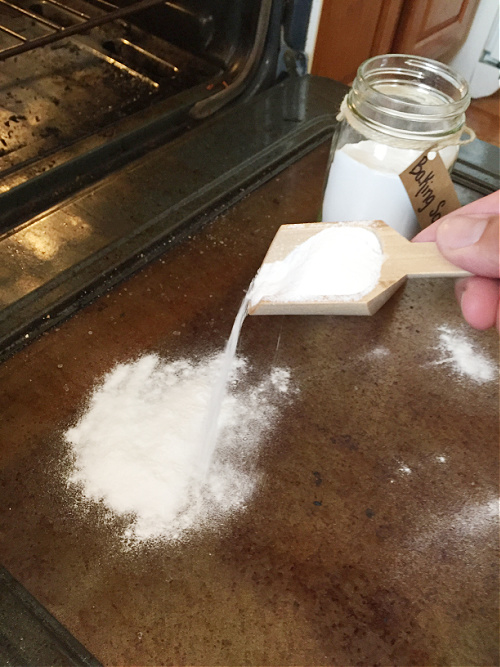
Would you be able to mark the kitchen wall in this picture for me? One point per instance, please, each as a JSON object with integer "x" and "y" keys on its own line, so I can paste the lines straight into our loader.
{"x": 312, "y": 31}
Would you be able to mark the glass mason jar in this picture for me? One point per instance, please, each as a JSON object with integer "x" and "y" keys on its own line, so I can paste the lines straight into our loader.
{"x": 399, "y": 106}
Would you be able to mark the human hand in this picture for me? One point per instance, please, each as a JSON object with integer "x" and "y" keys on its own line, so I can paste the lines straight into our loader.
{"x": 469, "y": 238}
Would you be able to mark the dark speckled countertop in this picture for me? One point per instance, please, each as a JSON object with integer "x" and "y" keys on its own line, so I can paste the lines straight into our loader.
{"x": 373, "y": 537}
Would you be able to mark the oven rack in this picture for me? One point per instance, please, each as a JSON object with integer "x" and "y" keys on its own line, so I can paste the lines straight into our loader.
{"x": 58, "y": 32}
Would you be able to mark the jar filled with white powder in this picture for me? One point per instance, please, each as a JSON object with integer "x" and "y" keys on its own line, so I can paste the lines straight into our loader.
{"x": 399, "y": 107}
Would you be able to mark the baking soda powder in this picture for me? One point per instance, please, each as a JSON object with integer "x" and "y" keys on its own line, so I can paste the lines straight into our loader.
{"x": 137, "y": 446}
{"x": 463, "y": 357}
{"x": 342, "y": 263}
{"x": 169, "y": 445}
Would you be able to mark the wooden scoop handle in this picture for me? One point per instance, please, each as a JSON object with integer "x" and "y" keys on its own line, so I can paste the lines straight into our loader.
{"x": 404, "y": 258}
{"x": 426, "y": 261}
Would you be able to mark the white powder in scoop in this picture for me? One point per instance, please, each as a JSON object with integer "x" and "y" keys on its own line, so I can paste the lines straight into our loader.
{"x": 462, "y": 356}
{"x": 136, "y": 448}
{"x": 341, "y": 263}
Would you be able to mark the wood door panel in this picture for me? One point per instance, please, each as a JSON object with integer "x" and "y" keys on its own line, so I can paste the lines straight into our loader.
{"x": 350, "y": 31}
{"x": 441, "y": 14}
{"x": 434, "y": 28}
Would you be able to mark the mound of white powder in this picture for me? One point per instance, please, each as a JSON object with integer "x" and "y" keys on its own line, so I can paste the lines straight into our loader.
{"x": 136, "y": 448}
{"x": 463, "y": 357}
{"x": 341, "y": 263}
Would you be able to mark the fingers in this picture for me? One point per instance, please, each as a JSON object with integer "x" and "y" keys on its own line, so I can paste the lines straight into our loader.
{"x": 427, "y": 234}
{"x": 469, "y": 238}
{"x": 479, "y": 301}
{"x": 486, "y": 206}
{"x": 471, "y": 242}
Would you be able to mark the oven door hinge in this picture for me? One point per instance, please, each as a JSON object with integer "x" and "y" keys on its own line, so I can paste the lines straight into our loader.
{"x": 291, "y": 62}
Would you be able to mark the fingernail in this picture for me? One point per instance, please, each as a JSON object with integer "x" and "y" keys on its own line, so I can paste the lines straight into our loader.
{"x": 460, "y": 232}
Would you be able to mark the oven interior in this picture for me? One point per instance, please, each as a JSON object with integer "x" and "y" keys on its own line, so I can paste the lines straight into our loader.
{"x": 112, "y": 80}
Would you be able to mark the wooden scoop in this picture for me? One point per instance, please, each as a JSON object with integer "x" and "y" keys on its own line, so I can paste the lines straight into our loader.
{"x": 402, "y": 259}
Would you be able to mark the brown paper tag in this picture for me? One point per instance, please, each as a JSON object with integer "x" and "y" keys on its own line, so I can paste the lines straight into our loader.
{"x": 430, "y": 188}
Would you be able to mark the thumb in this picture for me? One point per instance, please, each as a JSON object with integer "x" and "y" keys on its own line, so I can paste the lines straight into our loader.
{"x": 471, "y": 242}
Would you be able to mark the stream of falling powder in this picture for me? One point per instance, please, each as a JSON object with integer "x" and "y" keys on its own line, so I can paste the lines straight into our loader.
{"x": 341, "y": 262}
{"x": 210, "y": 424}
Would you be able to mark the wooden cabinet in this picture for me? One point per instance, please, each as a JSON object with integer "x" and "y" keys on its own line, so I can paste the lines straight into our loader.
{"x": 350, "y": 31}
{"x": 434, "y": 28}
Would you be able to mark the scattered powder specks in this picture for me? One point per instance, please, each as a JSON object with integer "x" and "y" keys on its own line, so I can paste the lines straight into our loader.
{"x": 379, "y": 352}
{"x": 463, "y": 357}
{"x": 474, "y": 521}
{"x": 136, "y": 448}
{"x": 280, "y": 379}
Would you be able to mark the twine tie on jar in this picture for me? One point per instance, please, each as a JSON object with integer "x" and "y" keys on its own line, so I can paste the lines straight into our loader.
{"x": 347, "y": 114}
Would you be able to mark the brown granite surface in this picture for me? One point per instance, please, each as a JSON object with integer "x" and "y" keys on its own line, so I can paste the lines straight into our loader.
{"x": 343, "y": 557}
